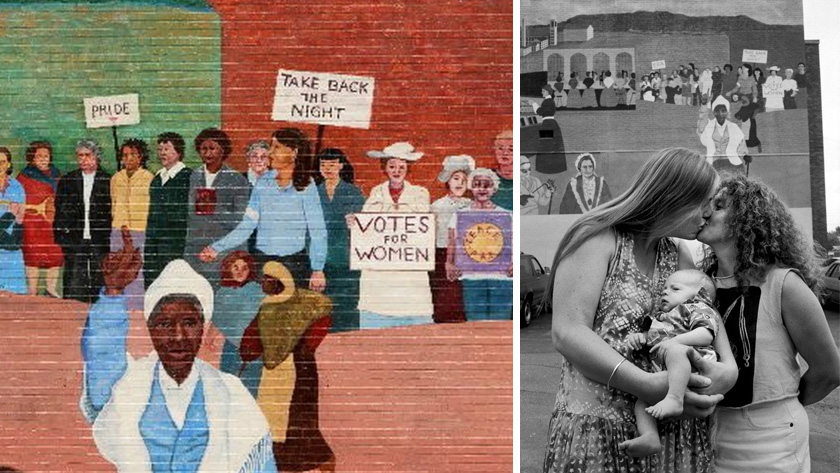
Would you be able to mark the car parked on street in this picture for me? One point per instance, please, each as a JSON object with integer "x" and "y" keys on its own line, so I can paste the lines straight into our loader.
{"x": 831, "y": 281}
{"x": 533, "y": 282}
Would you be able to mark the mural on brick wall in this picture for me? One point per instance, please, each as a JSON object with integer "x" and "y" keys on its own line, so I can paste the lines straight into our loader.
{"x": 247, "y": 246}
{"x": 733, "y": 88}
{"x": 616, "y": 200}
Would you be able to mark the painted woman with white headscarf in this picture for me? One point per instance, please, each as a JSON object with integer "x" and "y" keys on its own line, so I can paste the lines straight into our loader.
{"x": 168, "y": 410}
{"x": 723, "y": 139}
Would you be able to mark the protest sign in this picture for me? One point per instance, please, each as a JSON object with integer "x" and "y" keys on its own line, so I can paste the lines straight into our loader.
{"x": 483, "y": 242}
{"x": 392, "y": 241}
{"x": 772, "y": 89}
{"x": 754, "y": 56}
{"x": 113, "y": 110}
{"x": 655, "y": 65}
{"x": 323, "y": 99}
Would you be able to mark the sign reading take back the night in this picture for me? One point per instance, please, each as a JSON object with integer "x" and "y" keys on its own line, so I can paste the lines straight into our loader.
{"x": 113, "y": 110}
{"x": 323, "y": 99}
{"x": 392, "y": 241}
{"x": 754, "y": 56}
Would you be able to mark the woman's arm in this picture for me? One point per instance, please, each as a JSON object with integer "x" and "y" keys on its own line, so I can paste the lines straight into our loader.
{"x": 805, "y": 322}
{"x": 314, "y": 216}
{"x": 577, "y": 290}
{"x": 250, "y": 219}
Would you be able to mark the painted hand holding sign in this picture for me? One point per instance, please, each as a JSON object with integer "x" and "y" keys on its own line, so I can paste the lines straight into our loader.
{"x": 324, "y": 99}
{"x": 392, "y": 241}
{"x": 112, "y": 110}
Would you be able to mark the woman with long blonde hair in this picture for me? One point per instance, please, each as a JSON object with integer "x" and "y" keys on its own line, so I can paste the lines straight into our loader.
{"x": 628, "y": 248}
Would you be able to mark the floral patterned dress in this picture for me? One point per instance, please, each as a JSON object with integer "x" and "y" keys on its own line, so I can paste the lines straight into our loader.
{"x": 590, "y": 421}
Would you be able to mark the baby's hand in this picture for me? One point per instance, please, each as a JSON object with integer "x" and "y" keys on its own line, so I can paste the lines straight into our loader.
{"x": 662, "y": 346}
{"x": 636, "y": 341}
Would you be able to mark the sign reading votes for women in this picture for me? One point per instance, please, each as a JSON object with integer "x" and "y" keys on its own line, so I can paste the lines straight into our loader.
{"x": 392, "y": 241}
{"x": 324, "y": 99}
{"x": 112, "y": 110}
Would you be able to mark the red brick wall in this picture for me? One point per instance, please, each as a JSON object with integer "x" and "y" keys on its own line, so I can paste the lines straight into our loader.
{"x": 443, "y": 73}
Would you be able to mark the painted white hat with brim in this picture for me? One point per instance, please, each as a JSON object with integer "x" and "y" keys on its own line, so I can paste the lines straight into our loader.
{"x": 453, "y": 164}
{"x": 774, "y": 68}
{"x": 401, "y": 150}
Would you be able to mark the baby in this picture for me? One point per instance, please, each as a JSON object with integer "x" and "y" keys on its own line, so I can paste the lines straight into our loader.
{"x": 686, "y": 321}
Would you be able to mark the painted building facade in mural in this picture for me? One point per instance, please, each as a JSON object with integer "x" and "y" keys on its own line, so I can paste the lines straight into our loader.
{"x": 681, "y": 68}
{"x": 240, "y": 239}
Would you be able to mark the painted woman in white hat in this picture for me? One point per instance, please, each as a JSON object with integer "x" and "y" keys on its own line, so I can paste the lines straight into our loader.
{"x": 723, "y": 139}
{"x": 168, "y": 410}
{"x": 395, "y": 298}
{"x": 446, "y": 294}
{"x": 773, "y": 103}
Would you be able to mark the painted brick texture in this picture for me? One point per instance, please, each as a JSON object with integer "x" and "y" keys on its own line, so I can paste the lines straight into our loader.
{"x": 426, "y": 398}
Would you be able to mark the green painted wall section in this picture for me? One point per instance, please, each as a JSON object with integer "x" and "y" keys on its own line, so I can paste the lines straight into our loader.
{"x": 196, "y": 4}
{"x": 51, "y": 58}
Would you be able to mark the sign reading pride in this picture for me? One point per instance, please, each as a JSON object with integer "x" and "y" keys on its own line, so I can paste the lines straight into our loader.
{"x": 113, "y": 110}
{"x": 323, "y": 99}
{"x": 392, "y": 241}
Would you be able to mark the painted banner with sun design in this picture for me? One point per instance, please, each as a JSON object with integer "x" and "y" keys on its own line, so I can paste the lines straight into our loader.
{"x": 483, "y": 242}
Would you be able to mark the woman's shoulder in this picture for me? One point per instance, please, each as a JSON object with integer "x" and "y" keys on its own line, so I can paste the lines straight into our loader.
{"x": 604, "y": 241}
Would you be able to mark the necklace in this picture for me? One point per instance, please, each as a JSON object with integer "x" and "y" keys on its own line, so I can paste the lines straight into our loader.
{"x": 723, "y": 278}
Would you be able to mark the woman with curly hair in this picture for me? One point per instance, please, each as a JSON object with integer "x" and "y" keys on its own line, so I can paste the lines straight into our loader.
{"x": 767, "y": 281}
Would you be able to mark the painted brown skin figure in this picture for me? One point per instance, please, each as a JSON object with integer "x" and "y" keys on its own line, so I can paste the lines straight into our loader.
{"x": 176, "y": 326}
{"x": 290, "y": 326}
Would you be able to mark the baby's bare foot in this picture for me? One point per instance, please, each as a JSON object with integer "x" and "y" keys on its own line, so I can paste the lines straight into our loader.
{"x": 647, "y": 444}
{"x": 671, "y": 406}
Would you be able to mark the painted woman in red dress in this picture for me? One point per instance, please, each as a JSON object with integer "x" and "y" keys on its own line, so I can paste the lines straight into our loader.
{"x": 39, "y": 179}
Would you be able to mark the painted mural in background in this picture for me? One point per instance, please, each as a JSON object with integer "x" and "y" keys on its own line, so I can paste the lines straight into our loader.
{"x": 220, "y": 202}
{"x": 683, "y": 71}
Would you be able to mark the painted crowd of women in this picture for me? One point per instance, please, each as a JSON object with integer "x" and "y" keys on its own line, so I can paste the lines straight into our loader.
{"x": 290, "y": 206}
{"x": 271, "y": 243}
{"x": 686, "y": 85}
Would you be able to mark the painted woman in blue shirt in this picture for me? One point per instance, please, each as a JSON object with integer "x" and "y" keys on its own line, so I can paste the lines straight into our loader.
{"x": 284, "y": 209}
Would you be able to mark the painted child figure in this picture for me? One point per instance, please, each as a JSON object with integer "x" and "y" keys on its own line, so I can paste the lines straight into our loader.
{"x": 686, "y": 321}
